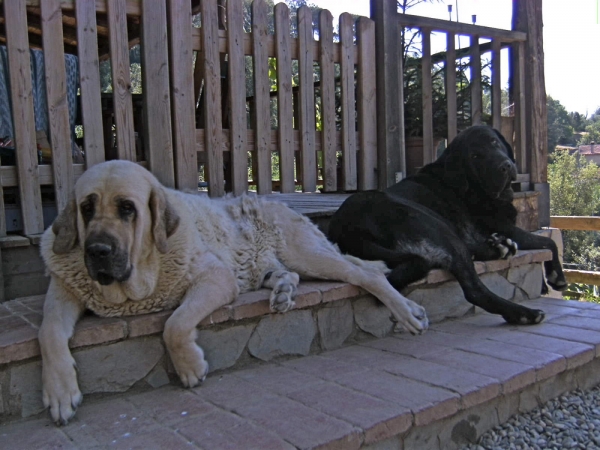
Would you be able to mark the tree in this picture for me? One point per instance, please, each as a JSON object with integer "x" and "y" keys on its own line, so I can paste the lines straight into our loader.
{"x": 575, "y": 191}
{"x": 593, "y": 134}
{"x": 560, "y": 129}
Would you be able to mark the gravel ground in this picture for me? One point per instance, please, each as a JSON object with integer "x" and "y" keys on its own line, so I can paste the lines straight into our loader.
{"x": 570, "y": 421}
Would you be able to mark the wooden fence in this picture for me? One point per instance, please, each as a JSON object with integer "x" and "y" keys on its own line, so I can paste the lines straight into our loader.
{"x": 172, "y": 144}
{"x": 512, "y": 123}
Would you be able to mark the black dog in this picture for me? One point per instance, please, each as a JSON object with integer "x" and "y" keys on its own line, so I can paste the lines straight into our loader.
{"x": 454, "y": 210}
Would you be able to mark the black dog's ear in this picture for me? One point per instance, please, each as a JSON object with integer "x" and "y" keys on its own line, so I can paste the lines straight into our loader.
{"x": 454, "y": 170}
{"x": 164, "y": 219}
{"x": 509, "y": 148}
{"x": 65, "y": 229}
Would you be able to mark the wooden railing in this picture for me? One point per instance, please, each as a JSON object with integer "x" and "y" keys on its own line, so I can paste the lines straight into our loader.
{"x": 499, "y": 39}
{"x": 173, "y": 146}
{"x": 582, "y": 223}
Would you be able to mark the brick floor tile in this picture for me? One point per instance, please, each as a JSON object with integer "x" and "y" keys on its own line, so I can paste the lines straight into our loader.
{"x": 35, "y": 302}
{"x": 34, "y": 319}
{"x": 307, "y": 295}
{"x": 547, "y": 364}
{"x": 98, "y": 330}
{"x": 225, "y": 431}
{"x": 107, "y": 422}
{"x": 34, "y": 434}
{"x": 567, "y": 333}
{"x": 4, "y": 312}
{"x": 474, "y": 388}
{"x": 540, "y": 255}
{"x": 521, "y": 258}
{"x": 378, "y": 418}
{"x": 579, "y": 322}
{"x": 416, "y": 348}
{"x": 438, "y": 275}
{"x": 427, "y": 403}
{"x": 146, "y": 324}
{"x": 551, "y": 307}
{"x": 435, "y": 338}
{"x": 153, "y": 438}
{"x": 301, "y": 426}
{"x": 496, "y": 265}
{"x": 332, "y": 291}
{"x": 278, "y": 379}
{"x": 325, "y": 368}
{"x": 221, "y": 315}
{"x": 251, "y": 304}
{"x": 512, "y": 375}
{"x": 18, "y": 340}
{"x": 576, "y": 353}
{"x": 16, "y": 307}
{"x": 171, "y": 405}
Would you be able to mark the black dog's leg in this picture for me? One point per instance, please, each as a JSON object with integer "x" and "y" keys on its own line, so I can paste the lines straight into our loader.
{"x": 413, "y": 269}
{"x": 530, "y": 241}
{"x": 479, "y": 295}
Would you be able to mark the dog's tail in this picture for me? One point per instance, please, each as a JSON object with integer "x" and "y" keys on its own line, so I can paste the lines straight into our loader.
{"x": 374, "y": 266}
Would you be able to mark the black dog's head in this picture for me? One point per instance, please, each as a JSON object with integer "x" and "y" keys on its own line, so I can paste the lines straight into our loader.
{"x": 481, "y": 159}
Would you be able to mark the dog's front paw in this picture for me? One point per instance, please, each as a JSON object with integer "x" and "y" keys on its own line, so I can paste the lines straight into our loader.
{"x": 412, "y": 318}
{"x": 61, "y": 394}
{"x": 190, "y": 365}
{"x": 507, "y": 248}
{"x": 284, "y": 285}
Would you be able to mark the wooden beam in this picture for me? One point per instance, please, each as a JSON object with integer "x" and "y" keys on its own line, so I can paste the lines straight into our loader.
{"x": 586, "y": 223}
{"x": 390, "y": 97}
{"x": 582, "y": 276}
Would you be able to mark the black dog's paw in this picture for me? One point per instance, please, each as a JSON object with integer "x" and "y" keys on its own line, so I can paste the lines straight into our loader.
{"x": 524, "y": 316}
{"x": 507, "y": 248}
{"x": 557, "y": 280}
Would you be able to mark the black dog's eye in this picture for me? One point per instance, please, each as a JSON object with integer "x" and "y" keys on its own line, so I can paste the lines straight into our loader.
{"x": 475, "y": 155}
{"x": 495, "y": 141}
{"x": 126, "y": 209}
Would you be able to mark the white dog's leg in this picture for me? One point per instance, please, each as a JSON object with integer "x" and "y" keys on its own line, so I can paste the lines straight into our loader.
{"x": 284, "y": 285}
{"x": 309, "y": 253}
{"x": 59, "y": 379}
{"x": 215, "y": 287}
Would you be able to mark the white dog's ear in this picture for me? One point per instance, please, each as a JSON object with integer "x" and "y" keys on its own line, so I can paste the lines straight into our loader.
{"x": 164, "y": 219}
{"x": 65, "y": 229}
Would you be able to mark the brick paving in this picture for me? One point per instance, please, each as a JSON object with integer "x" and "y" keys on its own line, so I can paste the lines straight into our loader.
{"x": 342, "y": 399}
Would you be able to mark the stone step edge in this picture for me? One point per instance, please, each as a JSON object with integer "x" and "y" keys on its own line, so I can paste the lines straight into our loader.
{"x": 92, "y": 330}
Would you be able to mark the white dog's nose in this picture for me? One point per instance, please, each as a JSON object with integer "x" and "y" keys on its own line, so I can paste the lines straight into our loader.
{"x": 98, "y": 250}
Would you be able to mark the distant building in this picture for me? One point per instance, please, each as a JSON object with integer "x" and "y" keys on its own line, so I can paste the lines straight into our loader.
{"x": 591, "y": 152}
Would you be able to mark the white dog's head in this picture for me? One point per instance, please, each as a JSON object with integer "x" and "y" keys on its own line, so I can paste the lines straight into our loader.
{"x": 119, "y": 218}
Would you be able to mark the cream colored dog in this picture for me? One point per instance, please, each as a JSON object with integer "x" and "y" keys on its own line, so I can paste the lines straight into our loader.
{"x": 127, "y": 245}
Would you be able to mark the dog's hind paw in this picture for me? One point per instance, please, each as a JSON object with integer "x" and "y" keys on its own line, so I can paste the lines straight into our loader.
{"x": 507, "y": 248}
{"x": 525, "y": 316}
{"x": 557, "y": 281}
{"x": 284, "y": 285}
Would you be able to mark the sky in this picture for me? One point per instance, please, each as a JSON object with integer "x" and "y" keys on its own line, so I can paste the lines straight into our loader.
{"x": 571, "y": 40}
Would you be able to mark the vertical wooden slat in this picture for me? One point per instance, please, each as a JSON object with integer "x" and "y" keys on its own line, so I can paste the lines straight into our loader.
{"x": 262, "y": 105}
{"x": 496, "y": 86}
{"x": 2, "y": 222}
{"x": 237, "y": 98}
{"x": 19, "y": 68}
{"x": 182, "y": 94}
{"x": 119, "y": 60}
{"x": 475, "y": 81}
{"x": 89, "y": 83}
{"x": 520, "y": 109}
{"x": 284, "y": 97}
{"x": 348, "y": 102}
{"x": 367, "y": 105}
{"x": 427, "y": 89}
{"x": 306, "y": 99}
{"x": 58, "y": 107}
{"x": 451, "y": 85}
{"x": 328, "y": 135}
{"x": 158, "y": 143}
{"x": 212, "y": 97}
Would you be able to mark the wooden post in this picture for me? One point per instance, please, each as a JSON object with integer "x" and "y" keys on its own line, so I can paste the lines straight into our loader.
{"x": 527, "y": 17}
{"x": 390, "y": 107}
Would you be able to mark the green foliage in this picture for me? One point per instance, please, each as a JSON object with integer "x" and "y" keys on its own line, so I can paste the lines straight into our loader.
{"x": 560, "y": 126}
{"x": 593, "y": 134}
{"x": 575, "y": 191}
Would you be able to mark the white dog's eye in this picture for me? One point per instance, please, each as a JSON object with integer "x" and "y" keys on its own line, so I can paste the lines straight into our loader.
{"x": 126, "y": 208}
